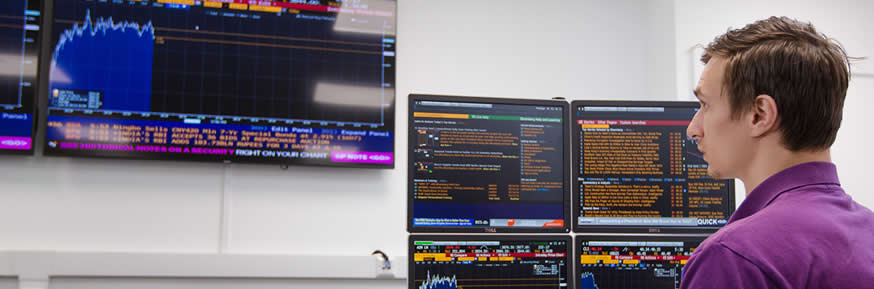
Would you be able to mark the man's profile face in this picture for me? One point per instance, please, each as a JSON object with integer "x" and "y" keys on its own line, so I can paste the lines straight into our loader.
{"x": 723, "y": 142}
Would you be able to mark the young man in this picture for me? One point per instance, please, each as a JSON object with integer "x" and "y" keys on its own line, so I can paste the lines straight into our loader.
{"x": 771, "y": 98}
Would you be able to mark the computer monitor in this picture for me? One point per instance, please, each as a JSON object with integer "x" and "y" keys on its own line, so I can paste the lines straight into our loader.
{"x": 635, "y": 170}
{"x": 477, "y": 261}
{"x": 245, "y": 81}
{"x": 623, "y": 262}
{"x": 487, "y": 165}
{"x": 19, "y": 48}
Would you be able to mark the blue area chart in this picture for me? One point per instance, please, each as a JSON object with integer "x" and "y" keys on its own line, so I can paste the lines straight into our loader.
{"x": 438, "y": 282}
{"x": 587, "y": 281}
{"x": 113, "y": 58}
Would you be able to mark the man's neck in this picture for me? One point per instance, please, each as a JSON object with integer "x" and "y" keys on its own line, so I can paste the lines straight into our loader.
{"x": 767, "y": 163}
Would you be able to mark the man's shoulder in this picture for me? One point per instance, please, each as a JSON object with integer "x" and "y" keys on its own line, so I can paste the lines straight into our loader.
{"x": 789, "y": 240}
{"x": 778, "y": 226}
{"x": 792, "y": 218}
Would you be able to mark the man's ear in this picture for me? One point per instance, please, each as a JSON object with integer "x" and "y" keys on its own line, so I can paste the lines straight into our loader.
{"x": 763, "y": 115}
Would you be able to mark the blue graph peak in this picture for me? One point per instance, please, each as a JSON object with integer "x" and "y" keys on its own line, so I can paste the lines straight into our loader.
{"x": 438, "y": 282}
{"x": 587, "y": 281}
{"x": 113, "y": 59}
{"x": 100, "y": 25}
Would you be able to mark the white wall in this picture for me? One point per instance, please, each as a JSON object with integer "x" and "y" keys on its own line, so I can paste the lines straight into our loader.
{"x": 573, "y": 49}
{"x": 848, "y": 21}
{"x": 101, "y": 205}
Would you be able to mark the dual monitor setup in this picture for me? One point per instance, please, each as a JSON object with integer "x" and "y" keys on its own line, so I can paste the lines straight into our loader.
{"x": 622, "y": 175}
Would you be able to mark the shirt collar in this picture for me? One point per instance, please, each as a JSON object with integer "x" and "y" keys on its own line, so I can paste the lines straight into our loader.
{"x": 786, "y": 180}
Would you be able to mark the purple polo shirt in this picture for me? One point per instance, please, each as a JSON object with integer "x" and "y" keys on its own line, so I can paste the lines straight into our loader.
{"x": 797, "y": 229}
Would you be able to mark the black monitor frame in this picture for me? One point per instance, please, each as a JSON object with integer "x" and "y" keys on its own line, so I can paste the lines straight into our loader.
{"x": 578, "y": 239}
{"x": 411, "y": 171}
{"x": 41, "y": 102}
{"x": 411, "y": 277}
{"x": 575, "y": 156}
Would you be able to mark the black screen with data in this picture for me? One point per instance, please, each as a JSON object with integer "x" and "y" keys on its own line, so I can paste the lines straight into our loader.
{"x": 636, "y": 170}
{"x": 632, "y": 262}
{"x": 446, "y": 262}
{"x": 487, "y": 164}
{"x": 255, "y": 81}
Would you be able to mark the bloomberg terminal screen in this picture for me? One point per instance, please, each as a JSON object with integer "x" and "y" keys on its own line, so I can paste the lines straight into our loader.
{"x": 19, "y": 36}
{"x": 296, "y": 82}
{"x": 489, "y": 263}
{"x": 483, "y": 164}
{"x": 631, "y": 264}
{"x": 636, "y": 168}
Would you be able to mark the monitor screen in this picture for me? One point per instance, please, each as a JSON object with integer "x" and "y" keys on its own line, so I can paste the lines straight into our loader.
{"x": 636, "y": 170}
{"x": 632, "y": 262}
{"x": 444, "y": 262}
{"x": 19, "y": 52}
{"x": 300, "y": 82}
{"x": 487, "y": 165}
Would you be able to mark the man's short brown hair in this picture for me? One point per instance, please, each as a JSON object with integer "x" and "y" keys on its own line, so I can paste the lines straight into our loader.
{"x": 804, "y": 71}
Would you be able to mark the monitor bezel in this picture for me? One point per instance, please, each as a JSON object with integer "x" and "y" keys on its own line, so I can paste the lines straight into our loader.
{"x": 411, "y": 249}
{"x": 575, "y": 190}
{"x": 497, "y": 100}
{"x": 48, "y": 28}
